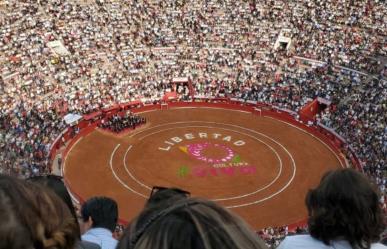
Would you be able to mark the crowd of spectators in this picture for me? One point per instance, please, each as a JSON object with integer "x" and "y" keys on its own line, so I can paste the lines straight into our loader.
{"x": 25, "y": 140}
{"x": 273, "y": 236}
{"x": 118, "y": 123}
{"x": 119, "y": 51}
{"x": 362, "y": 119}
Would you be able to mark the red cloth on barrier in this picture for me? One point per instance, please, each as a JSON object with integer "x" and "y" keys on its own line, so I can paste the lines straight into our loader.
{"x": 309, "y": 111}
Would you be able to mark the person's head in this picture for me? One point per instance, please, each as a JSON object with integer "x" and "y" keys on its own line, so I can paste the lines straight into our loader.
{"x": 33, "y": 217}
{"x": 100, "y": 212}
{"x": 165, "y": 195}
{"x": 345, "y": 206}
{"x": 55, "y": 183}
{"x": 189, "y": 223}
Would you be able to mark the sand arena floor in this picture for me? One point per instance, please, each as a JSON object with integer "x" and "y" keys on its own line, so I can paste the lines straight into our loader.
{"x": 259, "y": 167}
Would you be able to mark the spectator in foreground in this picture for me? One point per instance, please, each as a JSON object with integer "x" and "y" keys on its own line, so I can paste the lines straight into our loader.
{"x": 56, "y": 184}
{"x": 33, "y": 217}
{"x": 344, "y": 212}
{"x": 99, "y": 218}
{"x": 190, "y": 223}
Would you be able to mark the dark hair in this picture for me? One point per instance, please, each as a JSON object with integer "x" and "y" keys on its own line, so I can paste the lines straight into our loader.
{"x": 33, "y": 217}
{"x": 384, "y": 241}
{"x": 12, "y": 222}
{"x": 102, "y": 210}
{"x": 345, "y": 205}
{"x": 189, "y": 223}
{"x": 162, "y": 194}
{"x": 56, "y": 184}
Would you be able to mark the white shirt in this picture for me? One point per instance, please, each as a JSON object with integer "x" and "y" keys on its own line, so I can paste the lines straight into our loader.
{"x": 308, "y": 242}
{"x": 100, "y": 236}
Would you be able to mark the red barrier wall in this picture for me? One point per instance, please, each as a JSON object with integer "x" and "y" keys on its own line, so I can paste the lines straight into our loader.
{"x": 330, "y": 139}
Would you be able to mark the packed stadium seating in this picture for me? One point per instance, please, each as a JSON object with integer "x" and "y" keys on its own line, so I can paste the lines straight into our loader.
{"x": 59, "y": 57}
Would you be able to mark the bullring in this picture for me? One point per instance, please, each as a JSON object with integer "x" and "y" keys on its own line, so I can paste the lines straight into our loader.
{"x": 253, "y": 164}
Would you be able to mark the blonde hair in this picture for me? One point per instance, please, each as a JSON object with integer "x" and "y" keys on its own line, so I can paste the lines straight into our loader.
{"x": 189, "y": 223}
{"x": 34, "y": 217}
